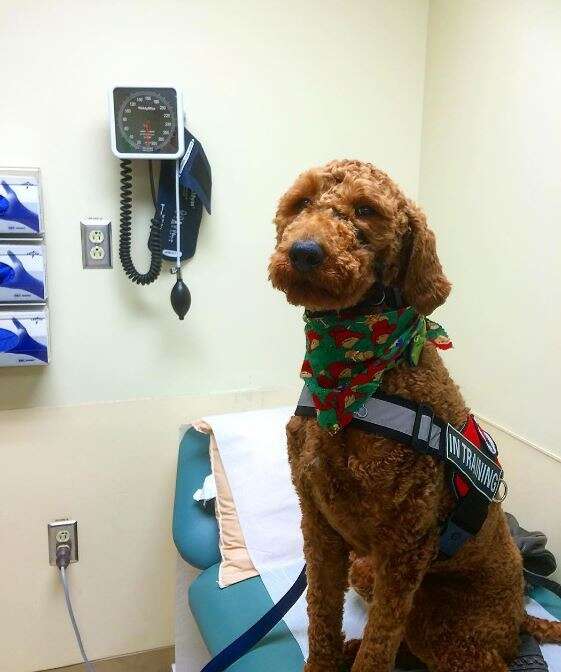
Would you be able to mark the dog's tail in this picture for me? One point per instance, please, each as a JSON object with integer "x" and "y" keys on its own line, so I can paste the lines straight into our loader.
{"x": 546, "y": 632}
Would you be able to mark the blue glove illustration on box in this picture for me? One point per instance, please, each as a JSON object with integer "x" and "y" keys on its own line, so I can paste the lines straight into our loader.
{"x": 21, "y": 343}
{"x": 16, "y": 277}
{"x": 11, "y": 208}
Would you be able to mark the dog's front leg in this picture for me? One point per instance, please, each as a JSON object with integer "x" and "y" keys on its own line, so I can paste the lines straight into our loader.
{"x": 396, "y": 582}
{"x": 327, "y": 558}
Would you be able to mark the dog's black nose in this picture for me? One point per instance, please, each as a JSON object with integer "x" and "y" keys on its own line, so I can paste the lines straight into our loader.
{"x": 306, "y": 255}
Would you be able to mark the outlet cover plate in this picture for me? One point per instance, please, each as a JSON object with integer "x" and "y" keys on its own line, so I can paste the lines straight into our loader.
{"x": 96, "y": 242}
{"x": 63, "y": 531}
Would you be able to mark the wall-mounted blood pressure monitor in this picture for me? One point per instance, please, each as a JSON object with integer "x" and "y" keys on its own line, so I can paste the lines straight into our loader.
{"x": 146, "y": 122}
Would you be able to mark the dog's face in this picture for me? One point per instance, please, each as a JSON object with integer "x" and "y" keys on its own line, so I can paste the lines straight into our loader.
{"x": 344, "y": 226}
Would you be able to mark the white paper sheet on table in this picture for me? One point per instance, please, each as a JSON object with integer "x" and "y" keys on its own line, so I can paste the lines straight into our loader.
{"x": 252, "y": 446}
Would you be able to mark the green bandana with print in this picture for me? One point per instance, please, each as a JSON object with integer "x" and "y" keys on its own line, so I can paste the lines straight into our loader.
{"x": 346, "y": 357}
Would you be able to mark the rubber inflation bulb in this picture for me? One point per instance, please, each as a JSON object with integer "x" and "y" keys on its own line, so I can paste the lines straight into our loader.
{"x": 180, "y": 297}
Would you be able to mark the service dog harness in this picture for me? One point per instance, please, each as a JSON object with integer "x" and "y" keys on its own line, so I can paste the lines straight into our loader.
{"x": 470, "y": 455}
{"x": 347, "y": 355}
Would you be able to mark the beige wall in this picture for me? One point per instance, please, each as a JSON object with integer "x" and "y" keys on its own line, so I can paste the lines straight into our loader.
{"x": 270, "y": 88}
{"x": 112, "y": 467}
{"x": 533, "y": 478}
{"x": 490, "y": 182}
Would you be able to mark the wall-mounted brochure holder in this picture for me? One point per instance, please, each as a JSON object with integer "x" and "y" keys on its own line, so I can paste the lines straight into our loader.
{"x": 24, "y": 337}
{"x": 22, "y": 272}
{"x": 20, "y": 202}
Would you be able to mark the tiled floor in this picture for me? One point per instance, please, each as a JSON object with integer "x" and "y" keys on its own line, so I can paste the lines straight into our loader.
{"x": 157, "y": 660}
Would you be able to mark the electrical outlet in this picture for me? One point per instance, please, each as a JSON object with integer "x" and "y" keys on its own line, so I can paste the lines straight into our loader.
{"x": 63, "y": 532}
{"x": 96, "y": 236}
{"x": 97, "y": 252}
{"x": 96, "y": 242}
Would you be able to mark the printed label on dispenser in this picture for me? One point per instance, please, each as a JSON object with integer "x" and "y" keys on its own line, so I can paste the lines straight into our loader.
{"x": 20, "y": 202}
{"x": 22, "y": 273}
{"x": 24, "y": 337}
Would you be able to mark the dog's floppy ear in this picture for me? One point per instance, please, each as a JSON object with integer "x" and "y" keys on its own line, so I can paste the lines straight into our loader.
{"x": 425, "y": 287}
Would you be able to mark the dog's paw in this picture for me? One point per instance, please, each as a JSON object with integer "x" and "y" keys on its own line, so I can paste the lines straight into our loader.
{"x": 361, "y": 577}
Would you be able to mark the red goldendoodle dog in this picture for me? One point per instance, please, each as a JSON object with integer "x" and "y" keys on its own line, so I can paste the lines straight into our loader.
{"x": 373, "y": 508}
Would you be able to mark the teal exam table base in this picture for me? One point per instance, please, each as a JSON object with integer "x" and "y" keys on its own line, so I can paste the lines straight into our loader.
{"x": 222, "y": 614}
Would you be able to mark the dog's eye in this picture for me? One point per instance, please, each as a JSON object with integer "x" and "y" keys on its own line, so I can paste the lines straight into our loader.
{"x": 364, "y": 211}
{"x": 302, "y": 203}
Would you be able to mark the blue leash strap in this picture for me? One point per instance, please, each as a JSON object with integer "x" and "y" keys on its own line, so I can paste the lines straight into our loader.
{"x": 240, "y": 646}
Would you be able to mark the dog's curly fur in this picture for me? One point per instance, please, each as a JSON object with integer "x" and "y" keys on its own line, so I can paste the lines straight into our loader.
{"x": 372, "y": 508}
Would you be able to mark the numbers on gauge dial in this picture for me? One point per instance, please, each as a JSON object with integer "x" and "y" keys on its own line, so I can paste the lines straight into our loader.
{"x": 147, "y": 121}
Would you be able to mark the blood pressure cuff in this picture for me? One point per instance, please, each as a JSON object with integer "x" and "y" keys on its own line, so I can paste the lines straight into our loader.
{"x": 195, "y": 170}
{"x": 195, "y": 181}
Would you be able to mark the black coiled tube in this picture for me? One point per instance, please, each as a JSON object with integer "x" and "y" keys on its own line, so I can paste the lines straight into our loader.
{"x": 125, "y": 238}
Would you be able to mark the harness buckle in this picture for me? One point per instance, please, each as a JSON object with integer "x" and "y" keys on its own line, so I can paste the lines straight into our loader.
{"x": 422, "y": 445}
{"x": 452, "y": 538}
{"x": 362, "y": 412}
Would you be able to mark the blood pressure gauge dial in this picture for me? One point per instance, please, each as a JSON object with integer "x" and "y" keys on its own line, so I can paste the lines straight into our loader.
{"x": 146, "y": 122}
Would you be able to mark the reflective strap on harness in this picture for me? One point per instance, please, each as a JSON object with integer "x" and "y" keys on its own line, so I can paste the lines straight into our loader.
{"x": 395, "y": 418}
